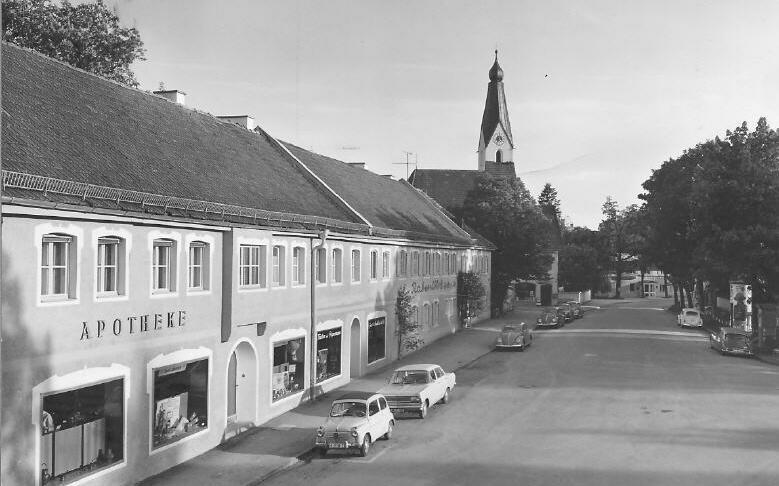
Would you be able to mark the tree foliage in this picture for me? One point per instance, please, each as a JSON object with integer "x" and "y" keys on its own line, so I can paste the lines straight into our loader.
{"x": 583, "y": 261}
{"x": 714, "y": 212}
{"x": 503, "y": 211}
{"x": 408, "y": 327}
{"x": 620, "y": 229}
{"x": 87, "y": 36}
{"x": 470, "y": 295}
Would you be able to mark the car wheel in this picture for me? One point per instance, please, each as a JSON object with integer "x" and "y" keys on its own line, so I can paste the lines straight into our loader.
{"x": 423, "y": 411}
{"x": 388, "y": 435}
{"x": 445, "y": 398}
{"x": 366, "y": 445}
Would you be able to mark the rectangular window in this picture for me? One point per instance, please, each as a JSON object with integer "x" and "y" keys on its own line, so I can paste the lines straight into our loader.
{"x": 356, "y": 271}
{"x": 385, "y": 264}
{"x": 320, "y": 262}
{"x": 434, "y": 321}
{"x": 374, "y": 265}
{"x": 298, "y": 266}
{"x": 337, "y": 271}
{"x": 82, "y": 431}
{"x": 428, "y": 264}
{"x": 278, "y": 272}
{"x": 107, "y": 265}
{"x": 328, "y": 354}
{"x": 376, "y": 330}
{"x": 252, "y": 265}
{"x": 162, "y": 266}
{"x": 288, "y": 368}
{"x": 197, "y": 268}
{"x": 55, "y": 266}
{"x": 180, "y": 401}
{"x": 415, "y": 264}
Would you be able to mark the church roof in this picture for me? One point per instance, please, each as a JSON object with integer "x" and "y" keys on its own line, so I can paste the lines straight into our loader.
{"x": 448, "y": 187}
{"x": 495, "y": 109}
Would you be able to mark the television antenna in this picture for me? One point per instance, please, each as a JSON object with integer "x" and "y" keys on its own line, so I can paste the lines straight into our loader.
{"x": 408, "y": 161}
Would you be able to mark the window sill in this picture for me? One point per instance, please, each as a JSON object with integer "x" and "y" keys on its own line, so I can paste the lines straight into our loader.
{"x": 198, "y": 291}
{"x": 163, "y": 294}
{"x": 287, "y": 398}
{"x": 166, "y": 447}
{"x": 53, "y": 302}
{"x": 111, "y": 297}
{"x": 252, "y": 289}
{"x": 91, "y": 477}
{"x": 327, "y": 381}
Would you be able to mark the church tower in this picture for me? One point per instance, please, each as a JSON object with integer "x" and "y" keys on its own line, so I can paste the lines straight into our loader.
{"x": 496, "y": 143}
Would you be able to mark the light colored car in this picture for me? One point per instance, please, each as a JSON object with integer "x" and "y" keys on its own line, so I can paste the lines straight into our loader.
{"x": 357, "y": 419}
{"x": 732, "y": 340}
{"x": 415, "y": 388}
{"x": 549, "y": 318}
{"x": 689, "y": 318}
{"x": 514, "y": 336}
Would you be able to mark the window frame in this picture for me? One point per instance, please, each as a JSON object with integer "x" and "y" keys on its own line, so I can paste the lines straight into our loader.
{"x": 385, "y": 265}
{"x": 105, "y": 241}
{"x": 320, "y": 268}
{"x": 249, "y": 266}
{"x": 278, "y": 270}
{"x": 298, "y": 266}
{"x": 356, "y": 265}
{"x": 170, "y": 271}
{"x": 373, "y": 273}
{"x": 47, "y": 247}
{"x": 204, "y": 249}
{"x": 337, "y": 265}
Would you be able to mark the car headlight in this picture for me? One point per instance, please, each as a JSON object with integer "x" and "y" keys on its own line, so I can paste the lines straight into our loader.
{"x": 538, "y": 320}
{"x": 518, "y": 340}
{"x": 554, "y": 319}
{"x": 499, "y": 341}
{"x": 415, "y": 400}
{"x": 354, "y": 432}
{"x": 320, "y": 431}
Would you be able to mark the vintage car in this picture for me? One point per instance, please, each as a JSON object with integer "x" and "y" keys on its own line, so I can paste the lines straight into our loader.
{"x": 732, "y": 340}
{"x": 576, "y": 309}
{"x": 548, "y": 318}
{"x": 689, "y": 318}
{"x": 357, "y": 419}
{"x": 565, "y": 311}
{"x": 514, "y": 336}
{"x": 415, "y": 388}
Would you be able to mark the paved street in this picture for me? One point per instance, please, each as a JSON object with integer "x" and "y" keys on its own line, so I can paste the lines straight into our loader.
{"x": 597, "y": 403}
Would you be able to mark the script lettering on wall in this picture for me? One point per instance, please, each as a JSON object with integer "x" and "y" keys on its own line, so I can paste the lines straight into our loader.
{"x": 132, "y": 324}
{"x": 435, "y": 284}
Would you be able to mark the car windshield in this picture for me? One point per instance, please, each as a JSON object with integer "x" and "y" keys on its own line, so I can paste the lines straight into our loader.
{"x": 691, "y": 313}
{"x": 348, "y": 409}
{"x": 410, "y": 377}
{"x": 510, "y": 329}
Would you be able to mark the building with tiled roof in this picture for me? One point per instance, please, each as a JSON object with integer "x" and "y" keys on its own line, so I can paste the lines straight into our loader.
{"x": 172, "y": 278}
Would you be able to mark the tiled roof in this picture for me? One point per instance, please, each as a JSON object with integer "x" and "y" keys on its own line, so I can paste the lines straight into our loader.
{"x": 63, "y": 123}
{"x": 384, "y": 202}
{"x": 448, "y": 187}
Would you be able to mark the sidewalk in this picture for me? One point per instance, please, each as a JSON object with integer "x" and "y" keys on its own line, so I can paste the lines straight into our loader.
{"x": 268, "y": 450}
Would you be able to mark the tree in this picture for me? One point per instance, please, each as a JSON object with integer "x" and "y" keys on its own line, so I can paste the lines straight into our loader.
{"x": 503, "y": 211}
{"x": 408, "y": 327}
{"x": 618, "y": 231}
{"x": 87, "y": 36}
{"x": 583, "y": 260}
{"x": 548, "y": 201}
{"x": 470, "y": 295}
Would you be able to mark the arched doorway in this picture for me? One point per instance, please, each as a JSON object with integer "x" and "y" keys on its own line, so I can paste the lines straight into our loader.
{"x": 355, "y": 354}
{"x": 242, "y": 385}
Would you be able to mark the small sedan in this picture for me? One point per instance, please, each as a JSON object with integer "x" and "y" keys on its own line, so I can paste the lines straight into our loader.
{"x": 357, "y": 419}
{"x": 548, "y": 318}
{"x": 732, "y": 340}
{"x": 514, "y": 336}
{"x": 565, "y": 311}
{"x": 577, "y": 310}
{"x": 417, "y": 387}
{"x": 689, "y": 318}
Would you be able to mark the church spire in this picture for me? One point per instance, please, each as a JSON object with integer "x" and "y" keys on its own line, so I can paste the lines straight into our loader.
{"x": 496, "y": 142}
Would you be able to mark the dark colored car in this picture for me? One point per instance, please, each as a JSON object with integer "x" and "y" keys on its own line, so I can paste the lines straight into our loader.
{"x": 732, "y": 340}
{"x": 548, "y": 318}
{"x": 576, "y": 307}
{"x": 515, "y": 336}
{"x": 565, "y": 311}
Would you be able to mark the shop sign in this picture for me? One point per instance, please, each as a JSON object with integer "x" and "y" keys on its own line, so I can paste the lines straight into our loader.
{"x": 328, "y": 334}
{"x": 435, "y": 284}
{"x": 132, "y": 324}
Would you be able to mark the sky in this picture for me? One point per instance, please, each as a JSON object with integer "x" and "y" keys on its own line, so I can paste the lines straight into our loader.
{"x": 599, "y": 92}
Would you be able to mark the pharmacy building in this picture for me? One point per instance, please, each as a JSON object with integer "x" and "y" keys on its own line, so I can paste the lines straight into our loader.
{"x": 171, "y": 278}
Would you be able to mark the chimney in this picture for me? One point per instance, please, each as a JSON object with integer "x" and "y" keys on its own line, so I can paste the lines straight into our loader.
{"x": 243, "y": 121}
{"x": 173, "y": 95}
{"x": 359, "y": 165}
{"x": 388, "y": 176}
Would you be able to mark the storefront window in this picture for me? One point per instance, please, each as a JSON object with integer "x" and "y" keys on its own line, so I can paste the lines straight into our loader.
{"x": 376, "y": 328}
{"x": 82, "y": 431}
{"x": 180, "y": 401}
{"x": 288, "y": 367}
{"x": 328, "y": 354}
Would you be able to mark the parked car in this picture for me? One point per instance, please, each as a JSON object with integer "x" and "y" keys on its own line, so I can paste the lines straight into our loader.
{"x": 689, "y": 318}
{"x": 576, "y": 308}
{"x": 515, "y": 336}
{"x": 732, "y": 340}
{"x": 415, "y": 388}
{"x": 548, "y": 318}
{"x": 565, "y": 311}
{"x": 357, "y": 419}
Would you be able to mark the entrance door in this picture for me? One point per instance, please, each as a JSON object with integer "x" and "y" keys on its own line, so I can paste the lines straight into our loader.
{"x": 546, "y": 295}
{"x": 231, "y": 388}
{"x": 355, "y": 355}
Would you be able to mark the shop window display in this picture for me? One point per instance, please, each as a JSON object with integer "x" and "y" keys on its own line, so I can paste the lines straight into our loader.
{"x": 288, "y": 368}
{"x": 180, "y": 401}
{"x": 328, "y": 359}
{"x": 82, "y": 431}
{"x": 376, "y": 330}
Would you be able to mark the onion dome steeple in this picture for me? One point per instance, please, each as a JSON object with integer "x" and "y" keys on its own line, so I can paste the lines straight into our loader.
{"x": 496, "y": 73}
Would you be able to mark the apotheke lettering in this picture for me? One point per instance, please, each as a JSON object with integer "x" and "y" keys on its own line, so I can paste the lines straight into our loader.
{"x": 133, "y": 324}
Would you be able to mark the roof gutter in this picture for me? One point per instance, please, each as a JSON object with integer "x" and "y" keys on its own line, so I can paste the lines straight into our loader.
{"x": 320, "y": 181}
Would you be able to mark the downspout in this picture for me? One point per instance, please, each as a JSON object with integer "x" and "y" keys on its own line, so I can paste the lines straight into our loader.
{"x": 312, "y": 333}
